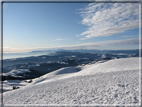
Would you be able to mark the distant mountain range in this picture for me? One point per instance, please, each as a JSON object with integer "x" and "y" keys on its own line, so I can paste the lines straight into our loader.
{"x": 52, "y": 50}
{"x": 89, "y": 51}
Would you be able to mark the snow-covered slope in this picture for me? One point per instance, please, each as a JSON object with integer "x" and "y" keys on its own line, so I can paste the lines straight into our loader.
{"x": 112, "y": 66}
{"x": 8, "y": 84}
{"x": 108, "y": 82}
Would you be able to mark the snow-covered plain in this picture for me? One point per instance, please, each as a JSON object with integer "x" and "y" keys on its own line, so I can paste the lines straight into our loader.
{"x": 112, "y": 82}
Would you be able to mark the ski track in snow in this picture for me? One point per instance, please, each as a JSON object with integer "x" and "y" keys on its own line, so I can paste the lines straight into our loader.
{"x": 118, "y": 85}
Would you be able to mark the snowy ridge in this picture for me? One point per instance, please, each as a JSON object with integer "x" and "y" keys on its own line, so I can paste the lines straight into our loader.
{"x": 112, "y": 66}
{"x": 99, "y": 67}
{"x": 111, "y": 82}
{"x": 58, "y": 74}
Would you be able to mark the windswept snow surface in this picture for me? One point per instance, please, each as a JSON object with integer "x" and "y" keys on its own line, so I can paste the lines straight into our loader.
{"x": 113, "y": 82}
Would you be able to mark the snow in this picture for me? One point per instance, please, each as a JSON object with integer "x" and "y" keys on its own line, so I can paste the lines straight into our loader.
{"x": 103, "y": 56}
{"x": 8, "y": 84}
{"x": 111, "y": 66}
{"x": 16, "y": 72}
{"x": 112, "y": 82}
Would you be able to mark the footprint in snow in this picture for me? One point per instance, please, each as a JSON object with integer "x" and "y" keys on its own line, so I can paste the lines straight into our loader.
{"x": 136, "y": 100}
{"x": 128, "y": 92}
{"x": 116, "y": 95}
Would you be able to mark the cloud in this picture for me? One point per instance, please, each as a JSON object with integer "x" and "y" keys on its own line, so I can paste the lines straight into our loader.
{"x": 60, "y": 39}
{"x": 97, "y": 45}
{"x": 11, "y": 50}
{"x": 106, "y": 19}
{"x": 90, "y": 45}
{"x": 134, "y": 41}
{"x": 77, "y": 35}
{"x": 6, "y": 47}
{"x": 127, "y": 36}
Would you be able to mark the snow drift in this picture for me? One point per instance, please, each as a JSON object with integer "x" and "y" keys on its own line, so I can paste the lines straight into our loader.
{"x": 113, "y": 82}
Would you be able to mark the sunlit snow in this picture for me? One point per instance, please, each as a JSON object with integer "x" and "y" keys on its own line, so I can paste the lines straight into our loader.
{"x": 110, "y": 82}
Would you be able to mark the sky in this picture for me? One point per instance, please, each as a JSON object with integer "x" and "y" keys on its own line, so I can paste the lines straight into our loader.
{"x": 42, "y": 26}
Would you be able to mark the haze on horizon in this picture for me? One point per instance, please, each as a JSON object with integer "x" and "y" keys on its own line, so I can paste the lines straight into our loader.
{"x": 42, "y": 26}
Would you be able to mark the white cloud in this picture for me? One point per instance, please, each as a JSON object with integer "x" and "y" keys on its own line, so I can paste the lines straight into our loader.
{"x": 6, "y": 47}
{"x": 127, "y": 36}
{"x": 133, "y": 41}
{"x": 91, "y": 45}
{"x": 106, "y": 19}
{"x": 60, "y": 39}
{"x": 77, "y": 35}
{"x": 97, "y": 45}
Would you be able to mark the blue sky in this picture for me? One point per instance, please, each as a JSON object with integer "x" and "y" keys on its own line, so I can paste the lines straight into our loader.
{"x": 43, "y": 26}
